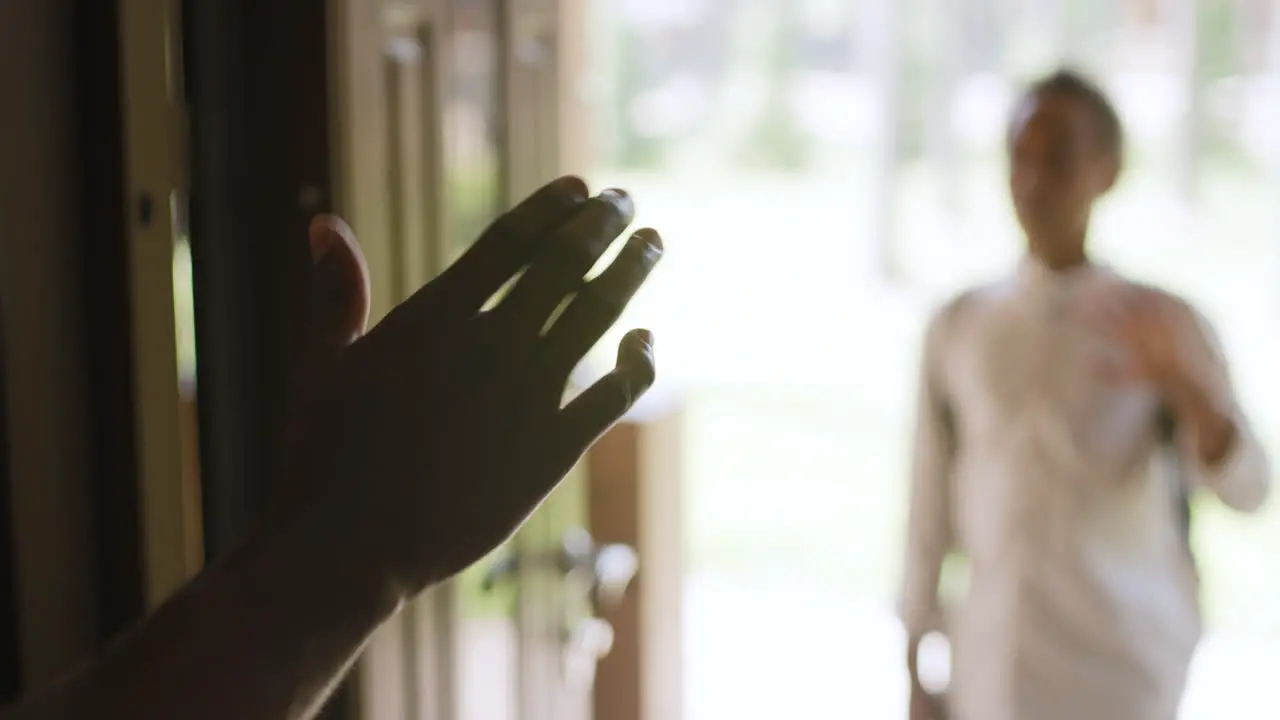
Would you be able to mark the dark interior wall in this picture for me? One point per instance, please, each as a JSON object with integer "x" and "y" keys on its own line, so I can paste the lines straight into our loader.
{"x": 103, "y": 246}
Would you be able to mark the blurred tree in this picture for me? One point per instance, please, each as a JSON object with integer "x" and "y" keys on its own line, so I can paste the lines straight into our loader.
{"x": 1227, "y": 42}
{"x": 980, "y": 34}
{"x": 826, "y": 28}
{"x": 1188, "y": 34}
{"x": 634, "y": 149}
{"x": 914, "y": 61}
{"x": 775, "y": 140}
{"x": 948, "y": 43}
{"x": 885, "y": 26}
{"x": 1222, "y": 49}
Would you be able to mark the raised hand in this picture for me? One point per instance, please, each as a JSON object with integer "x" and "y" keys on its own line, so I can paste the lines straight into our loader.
{"x": 426, "y": 442}
{"x": 338, "y": 308}
{"x": 1149, "y": 328}
{"x": 1162, "y": 346}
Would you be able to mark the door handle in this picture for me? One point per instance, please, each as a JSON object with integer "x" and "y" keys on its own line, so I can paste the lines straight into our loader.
{"x": 606, "y": 569}
{"x": 584, "y": 645}
{"x": 594, "y": 576}
{"x": 616, "y": 565}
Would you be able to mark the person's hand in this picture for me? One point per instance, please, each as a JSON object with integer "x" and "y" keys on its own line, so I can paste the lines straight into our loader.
{"x": 1146, "y": 326}
{"x": 1154, "y": 332}
{"x": 426, "y": 442}
{"x": 337, "y": 306}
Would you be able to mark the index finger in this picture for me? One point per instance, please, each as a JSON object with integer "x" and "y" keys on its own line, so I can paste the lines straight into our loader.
{"x": 508, "y": 244}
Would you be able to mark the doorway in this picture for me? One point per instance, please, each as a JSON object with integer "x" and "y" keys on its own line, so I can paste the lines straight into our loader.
{"x": 826, "y": 173}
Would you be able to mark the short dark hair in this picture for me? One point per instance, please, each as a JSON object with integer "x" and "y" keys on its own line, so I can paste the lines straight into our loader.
{"x": 1077, "y": 85}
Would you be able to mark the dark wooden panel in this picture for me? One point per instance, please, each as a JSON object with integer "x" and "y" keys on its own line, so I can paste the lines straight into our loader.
{"x": 104, "y": 252}
{"x": 10, "y": 649}
{"x": 615, "y": 469}
{"x": 221, "y": 226}
{"x": 70, "y": 492}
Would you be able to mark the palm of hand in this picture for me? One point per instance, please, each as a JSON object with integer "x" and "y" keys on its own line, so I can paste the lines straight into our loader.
{"x": 434, "y": 436}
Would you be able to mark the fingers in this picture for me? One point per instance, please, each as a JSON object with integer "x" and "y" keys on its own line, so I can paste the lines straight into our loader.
{"x": 589, "y": 415}
{"x": 560, "y": 266}
{"x": 340, "y": 289}
{"x": 509, "y": 244}
{"x": 1121, "y": 311}
{"x": 599, "y": 304}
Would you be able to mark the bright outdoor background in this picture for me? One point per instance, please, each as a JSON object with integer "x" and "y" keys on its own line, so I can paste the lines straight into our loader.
{"x": 824, "y": 173}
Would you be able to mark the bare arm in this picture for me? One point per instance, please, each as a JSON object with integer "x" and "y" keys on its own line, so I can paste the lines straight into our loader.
{"x": 929, "y": 510}
{"x": 264, "y": 635}
{"x": 419, "y": 448}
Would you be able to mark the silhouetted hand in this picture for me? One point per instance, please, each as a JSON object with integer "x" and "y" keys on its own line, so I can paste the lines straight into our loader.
{"x": 429, "y": 440}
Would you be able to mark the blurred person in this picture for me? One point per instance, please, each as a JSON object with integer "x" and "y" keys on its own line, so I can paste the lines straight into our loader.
{"x": 414, "y": 450}
{"x": 1065, "y": 414}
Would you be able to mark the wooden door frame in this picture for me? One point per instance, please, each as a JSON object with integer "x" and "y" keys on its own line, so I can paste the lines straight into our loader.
{"x": 153, "y": 170}
{"x": 101, "y": 161}
{"x": 71, "y": 497}
{"x": 636, "y": 497}
{"x": 10, "y": 642}
{"x": 46, "y": 399}
{"x": 100, "y": 524}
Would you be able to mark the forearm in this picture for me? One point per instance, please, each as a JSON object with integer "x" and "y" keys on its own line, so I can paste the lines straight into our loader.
{"x": 262, "y": 636}
{"x": 927, "y": 543}
{"x": 921, "y": 607}
{"x": 1203, "y": 414}
{"x": 1230, "y": 459}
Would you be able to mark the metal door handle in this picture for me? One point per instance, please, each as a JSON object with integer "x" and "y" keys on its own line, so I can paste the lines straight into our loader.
{"x": 606, "y": 569}
{"x": 615, "y": 567}
{"x": 585, "y": 645}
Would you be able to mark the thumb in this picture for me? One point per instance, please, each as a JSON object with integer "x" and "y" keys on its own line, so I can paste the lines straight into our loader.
{"x": 340, "y": 288}
{"x": 335, "y": 317}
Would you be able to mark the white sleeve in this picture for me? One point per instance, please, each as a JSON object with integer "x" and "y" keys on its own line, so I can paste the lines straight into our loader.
{"x": 929, "y": 528}
{"x": 1242, "y": 479}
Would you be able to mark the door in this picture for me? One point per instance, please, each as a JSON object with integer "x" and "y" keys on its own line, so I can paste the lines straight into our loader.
{"x": 155, "y": 208}
{"x": 449, "y": 110}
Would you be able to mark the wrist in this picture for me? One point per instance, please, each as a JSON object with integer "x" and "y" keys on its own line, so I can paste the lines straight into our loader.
{"x": 1212, "y": 425}
{"x": 1184, "y": 398}
{"x": 329, "y": 560}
